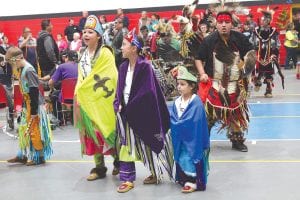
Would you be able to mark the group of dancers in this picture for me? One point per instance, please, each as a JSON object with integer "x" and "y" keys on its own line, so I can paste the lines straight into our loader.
{"x": 122, "y": 111}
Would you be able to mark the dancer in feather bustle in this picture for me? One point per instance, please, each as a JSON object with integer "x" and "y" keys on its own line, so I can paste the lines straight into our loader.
{"x": 229, "y": 60}
{"x": 34, "y": 130}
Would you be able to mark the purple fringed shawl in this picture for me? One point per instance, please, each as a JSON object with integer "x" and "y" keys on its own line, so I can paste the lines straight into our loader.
{"x": 146, "y": 112}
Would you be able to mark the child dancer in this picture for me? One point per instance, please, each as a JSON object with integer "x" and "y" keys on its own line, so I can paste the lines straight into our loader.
{"x": 143, "y": 117}
{"x": 34, "y": 130}
{"x": 190, "y": 137}
{"x": 94, "y": 95}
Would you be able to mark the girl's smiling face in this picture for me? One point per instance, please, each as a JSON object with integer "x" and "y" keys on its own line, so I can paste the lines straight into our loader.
{"x": 90, "y": 37}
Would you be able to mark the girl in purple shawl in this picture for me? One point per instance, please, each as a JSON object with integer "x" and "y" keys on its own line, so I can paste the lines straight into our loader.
{"x": 190, "y": 137}
{"x": 143, "y": 117}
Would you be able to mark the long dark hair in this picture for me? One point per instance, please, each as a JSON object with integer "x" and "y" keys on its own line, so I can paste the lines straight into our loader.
{"x": 194, "y": 85}
{"x": 97, "y": 48}
{"x": 98, "y": 45}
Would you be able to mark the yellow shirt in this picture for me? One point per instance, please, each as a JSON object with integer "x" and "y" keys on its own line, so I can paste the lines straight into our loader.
{"x": 290, "y": 36}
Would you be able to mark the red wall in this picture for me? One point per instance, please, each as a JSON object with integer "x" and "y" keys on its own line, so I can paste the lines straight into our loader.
{"x": 13, "y": 28}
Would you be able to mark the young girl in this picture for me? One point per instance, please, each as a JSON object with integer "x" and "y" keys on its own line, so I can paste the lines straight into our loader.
{"x": 190, "y": 137}
{"x": 94, "y": 95}
{"x": 34, "y": 130}
{"x": 143, "y": 117}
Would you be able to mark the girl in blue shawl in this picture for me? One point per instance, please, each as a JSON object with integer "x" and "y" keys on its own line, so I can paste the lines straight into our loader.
{"x": 190, "y": 137}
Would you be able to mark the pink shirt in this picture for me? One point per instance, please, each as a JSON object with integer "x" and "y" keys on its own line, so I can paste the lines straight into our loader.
{"x": 62, "y": 45}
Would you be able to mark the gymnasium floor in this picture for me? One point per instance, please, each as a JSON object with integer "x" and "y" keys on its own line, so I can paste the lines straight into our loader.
{"x": 270, "y": 170}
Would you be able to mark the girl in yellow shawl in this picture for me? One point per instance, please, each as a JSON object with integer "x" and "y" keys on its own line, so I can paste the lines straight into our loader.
{"x": 94, "y": 96}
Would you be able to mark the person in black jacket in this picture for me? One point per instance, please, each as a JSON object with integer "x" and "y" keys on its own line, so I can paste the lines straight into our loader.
{"x": 47, "y": 50}
{"x": 6, "y": 81}
{"x": 119, "y": 32}
{"x": 70, "y": 30}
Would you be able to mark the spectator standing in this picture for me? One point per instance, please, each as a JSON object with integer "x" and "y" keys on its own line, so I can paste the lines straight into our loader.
{"x": 27, "y": 43}
{"x": 5, "y": 43}
{"x": 297, "y": 23}
{"x": 121, "y": 15}
{"x": 119, "y": 33}
{"x": 144, "y": 20}
{"x": 47, "y": 50}
{"x": 291, "y": 44}
{"x": 153, "y": 22}
{"x": 108, "y": 30}
{"x": 144, "y": 33}
{"x": 82, "y": 20}
{"x": 6, "y": 81}
{"x": 70, "y": 30}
